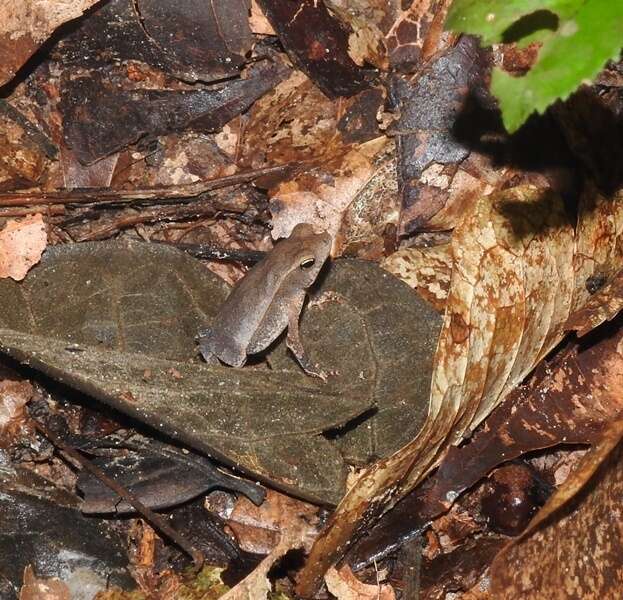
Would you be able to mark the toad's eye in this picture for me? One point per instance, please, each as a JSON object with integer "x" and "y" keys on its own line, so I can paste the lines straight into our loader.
{"x": 306, "y": 263}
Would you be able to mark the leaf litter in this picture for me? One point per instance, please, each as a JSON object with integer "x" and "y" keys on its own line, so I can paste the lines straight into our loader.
{"x": 389, "y": 141}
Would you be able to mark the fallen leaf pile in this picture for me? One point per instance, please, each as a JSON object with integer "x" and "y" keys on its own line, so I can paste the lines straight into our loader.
{"x": 466, "y": 442}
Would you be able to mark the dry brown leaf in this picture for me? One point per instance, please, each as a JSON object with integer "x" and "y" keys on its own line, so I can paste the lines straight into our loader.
{"x": 256, "y": 586}
{"x": 346, "y": 187}
{"x": 14, "y": 395}
{"x": 426, "y": 270}
{"x": 258, "y": 529}
{"x": 322, "y": 201}
{"x": 345, "y": 586}
{"x": 25, "y": 25}
{"x": 21, "y": 245}
{"x": 39, "y": 588}
{"x": 573, "y": 547}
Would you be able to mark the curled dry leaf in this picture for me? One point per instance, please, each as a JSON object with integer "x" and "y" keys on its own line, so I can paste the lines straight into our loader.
{"x": 348, "y": 169}
{"x": 569, "y": 400}
{"x": 313, "y": 199}
{"x": 258, "y": 529}
{"x": 510, "y": 294}
{"x": 345, "y": 586}
{"x": 26, "y": 25}
{"x": 426, "y": 270}
{"x": 573, "y": 547}
{"x": 21, "y": 245}
{"x": 13, "y": 398}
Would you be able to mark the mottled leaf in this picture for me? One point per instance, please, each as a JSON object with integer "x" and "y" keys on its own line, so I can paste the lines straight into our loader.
{"x": 427, "y": 270}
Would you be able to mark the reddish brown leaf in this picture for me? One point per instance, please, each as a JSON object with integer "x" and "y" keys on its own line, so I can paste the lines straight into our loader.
{"x": 317, "y": 43}
{"x": 573, "y": 548}
{"x": 14, "y": 396}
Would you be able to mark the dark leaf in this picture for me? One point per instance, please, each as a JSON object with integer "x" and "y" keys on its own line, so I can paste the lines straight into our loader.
{"x": 386, "y": 351}
{"x": 426, "y": 136}
{"x": 189, "y": 39}
{"x": 99, "y": 119}
{"x": 160, "y": 476}
{"x": 42, "y": 526}
{"x": 208, "y": 40}
{"x": 152, "y": 299}
{"x": 317, "y": 43}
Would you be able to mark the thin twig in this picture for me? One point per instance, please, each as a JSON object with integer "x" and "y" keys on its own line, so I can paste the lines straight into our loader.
{"x": 184, "y": 192}
{"x": 31, "y": 210}
{"x": 149, "y": 515}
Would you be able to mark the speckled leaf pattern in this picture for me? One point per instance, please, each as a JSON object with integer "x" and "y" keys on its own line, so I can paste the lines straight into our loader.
{"x": 426, "y": 270}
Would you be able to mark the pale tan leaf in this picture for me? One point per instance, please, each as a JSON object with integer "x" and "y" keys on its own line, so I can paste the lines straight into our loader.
{"x": 26, "y": 24}
{"x": 258, "y": 529}
{"x": 345, "y": 586}
{"x": 21, "y": 245}
{"x": 426, "y": 270}
{"x": 258, "y": 22}
{"x": 256, "y": 586}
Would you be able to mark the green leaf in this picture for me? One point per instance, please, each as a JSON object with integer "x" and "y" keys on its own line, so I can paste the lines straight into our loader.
{"x": 491, "y": 19}
{"x": 589, "y": 33}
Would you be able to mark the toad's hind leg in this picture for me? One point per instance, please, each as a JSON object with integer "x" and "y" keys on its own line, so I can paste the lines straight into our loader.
{"x": 293, "y": 341}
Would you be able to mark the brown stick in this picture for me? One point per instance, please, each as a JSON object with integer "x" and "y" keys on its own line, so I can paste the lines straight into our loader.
{"x": 149, "y": 515}
{"x": 108, "y": 196}
{"x": 31, "y": 210}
